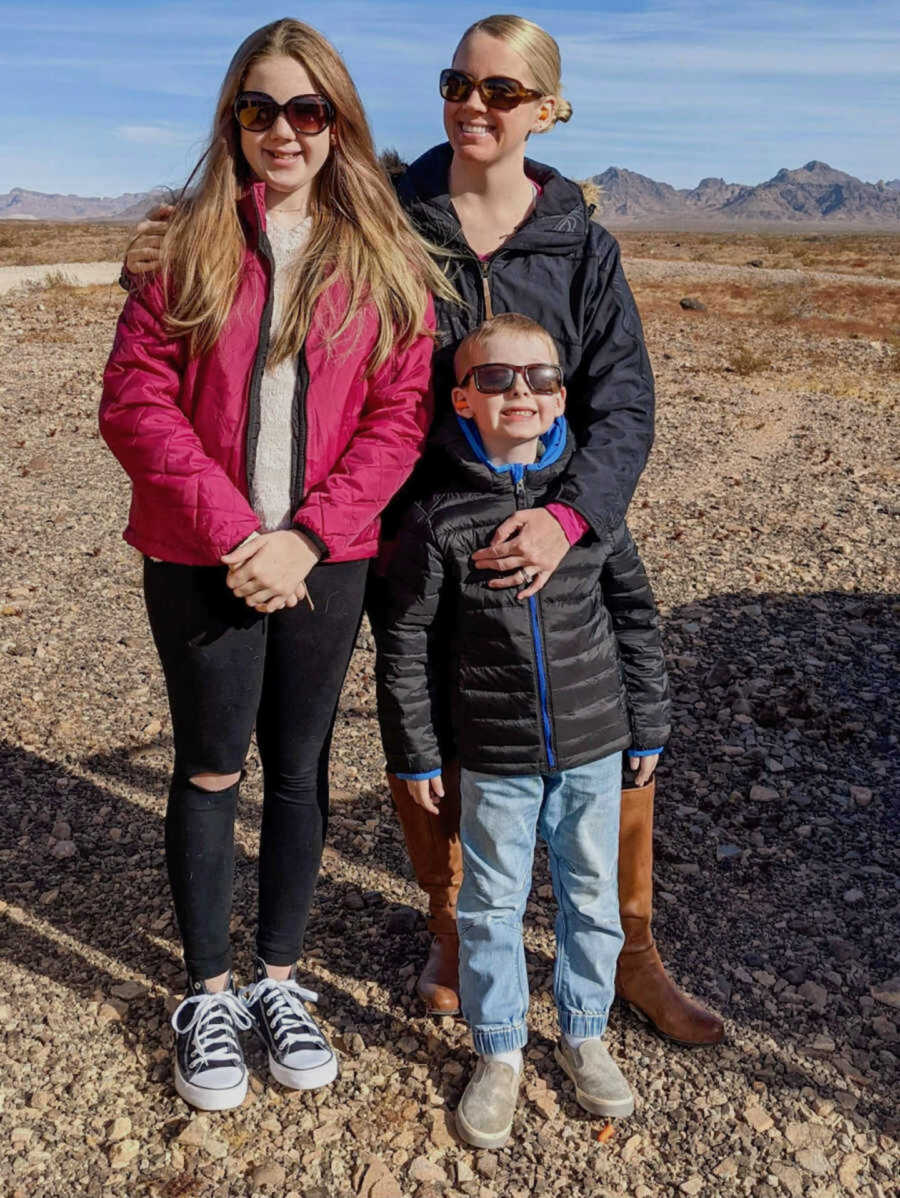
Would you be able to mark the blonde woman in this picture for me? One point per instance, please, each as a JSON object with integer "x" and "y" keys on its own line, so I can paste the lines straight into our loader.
{"x": 267, "y": 393}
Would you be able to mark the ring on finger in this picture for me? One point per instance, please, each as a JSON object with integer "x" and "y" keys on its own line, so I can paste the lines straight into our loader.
{"x": 528, "y": 576}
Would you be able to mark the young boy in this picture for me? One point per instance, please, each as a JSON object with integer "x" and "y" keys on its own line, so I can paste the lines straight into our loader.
{"x": 545, "y": 690}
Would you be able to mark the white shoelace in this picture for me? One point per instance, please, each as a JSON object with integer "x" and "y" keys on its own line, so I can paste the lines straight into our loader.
{"x": 213, "y": 1024}
{"x": 285, "y": 1012}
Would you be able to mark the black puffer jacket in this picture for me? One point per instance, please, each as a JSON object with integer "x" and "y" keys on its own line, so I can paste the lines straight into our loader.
{"x": 563, "y": 270}
{"x": 534, "y": 686}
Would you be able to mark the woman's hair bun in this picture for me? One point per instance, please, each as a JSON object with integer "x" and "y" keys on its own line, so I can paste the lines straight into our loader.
{"x": 563, "y": 110}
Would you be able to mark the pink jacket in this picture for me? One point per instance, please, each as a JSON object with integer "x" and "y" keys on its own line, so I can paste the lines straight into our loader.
{"x": 185, "y": 429}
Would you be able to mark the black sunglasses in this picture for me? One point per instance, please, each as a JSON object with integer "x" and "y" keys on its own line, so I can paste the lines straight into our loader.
{"x": 257, "y": 112}
{"x": 493, "y": 378}
{"x": 496, "y": 90}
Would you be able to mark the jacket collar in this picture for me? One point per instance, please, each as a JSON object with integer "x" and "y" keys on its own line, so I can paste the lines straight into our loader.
{"x": 461, "y": 444}
{"x": 558, "y": 223}
{"x": 252, "y": 209}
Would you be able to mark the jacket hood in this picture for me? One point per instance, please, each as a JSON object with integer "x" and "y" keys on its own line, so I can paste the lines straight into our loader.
{"x": 558, "y": 224}
{"x": 462, "y": 449}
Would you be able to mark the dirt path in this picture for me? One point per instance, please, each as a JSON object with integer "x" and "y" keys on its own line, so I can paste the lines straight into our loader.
{"x": 639, "y": 270}
{"x": 80, "y": 273}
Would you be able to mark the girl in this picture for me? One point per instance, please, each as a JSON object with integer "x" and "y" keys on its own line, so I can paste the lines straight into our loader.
{"x": 518, "y": 237}
{"x": 267, "y": 393}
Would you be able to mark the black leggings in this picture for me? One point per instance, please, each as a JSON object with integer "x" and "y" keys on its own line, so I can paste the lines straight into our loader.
{"x": 228, "y": 667}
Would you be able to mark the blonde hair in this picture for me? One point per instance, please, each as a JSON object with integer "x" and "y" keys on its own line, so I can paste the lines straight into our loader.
{"x": 506, "y": 322}
{"x": 359, "y": 233}
{"x": 536, "y": 46}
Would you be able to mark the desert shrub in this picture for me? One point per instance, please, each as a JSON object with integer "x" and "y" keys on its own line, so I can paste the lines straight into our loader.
{"x": 743, "y": 361}
{"x": 789, "y": 302}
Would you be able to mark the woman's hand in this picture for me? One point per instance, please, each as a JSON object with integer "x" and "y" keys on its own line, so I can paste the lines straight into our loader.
{"x": 269, "y": 571}
{"x": 532, "y": 543}
{"x": 145, "y": 248}
{"x": 427, "y": 792}
{"x": 642, "y": 768}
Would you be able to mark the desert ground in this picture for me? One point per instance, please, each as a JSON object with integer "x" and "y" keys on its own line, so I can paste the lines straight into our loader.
{"x": 767, "y": 518}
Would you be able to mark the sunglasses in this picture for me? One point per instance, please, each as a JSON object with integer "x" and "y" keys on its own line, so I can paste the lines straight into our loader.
{"x": 493, "y": 378}
{"x": 257, "y": 112}
{"x": 496, "y": 91}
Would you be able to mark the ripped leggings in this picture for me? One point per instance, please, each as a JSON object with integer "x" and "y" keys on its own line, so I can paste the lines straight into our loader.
{"x": 228, "y": 668}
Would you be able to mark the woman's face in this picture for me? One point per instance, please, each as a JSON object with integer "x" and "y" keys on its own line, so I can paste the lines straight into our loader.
{"x": 286, "y": 161}
{"x": 483, "y": 135}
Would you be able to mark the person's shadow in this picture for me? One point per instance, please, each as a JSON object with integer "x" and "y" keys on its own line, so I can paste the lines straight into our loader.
{"x": 776, "y": 857}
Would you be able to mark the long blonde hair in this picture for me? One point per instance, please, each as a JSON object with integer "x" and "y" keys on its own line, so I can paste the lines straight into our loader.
{"x": 359, "y": 233}
{"x": 536, "y": 46}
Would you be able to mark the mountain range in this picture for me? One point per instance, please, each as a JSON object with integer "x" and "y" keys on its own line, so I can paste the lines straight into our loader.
{"x": 816, "y": 193}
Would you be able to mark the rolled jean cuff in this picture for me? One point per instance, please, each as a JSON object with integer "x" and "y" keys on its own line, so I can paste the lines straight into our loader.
{"x": 586, "y": 1025}
{"x": 490, "y": 1040}
{"x": 201, "y": 968}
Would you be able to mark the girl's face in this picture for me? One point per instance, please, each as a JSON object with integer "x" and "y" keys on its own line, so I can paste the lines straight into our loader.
{"x": 286, "y": 161}
{"x": 482, "y": 135}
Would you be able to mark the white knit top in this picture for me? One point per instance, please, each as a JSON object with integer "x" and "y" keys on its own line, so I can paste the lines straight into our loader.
{"x": 271, "y": 489}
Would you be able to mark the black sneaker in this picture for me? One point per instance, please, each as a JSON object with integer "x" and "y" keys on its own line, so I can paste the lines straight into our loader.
{"x": 209, "y": 1064}
{"x": 299, "y": 1055}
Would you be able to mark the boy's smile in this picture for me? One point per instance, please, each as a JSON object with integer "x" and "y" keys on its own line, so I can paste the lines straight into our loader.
{"x": 510, "y": 422}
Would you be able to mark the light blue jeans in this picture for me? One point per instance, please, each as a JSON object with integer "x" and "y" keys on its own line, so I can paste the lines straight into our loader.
{"x": 577, "y": 814}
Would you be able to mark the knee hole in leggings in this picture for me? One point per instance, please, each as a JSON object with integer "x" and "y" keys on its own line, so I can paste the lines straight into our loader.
{"x": 214, "y": 782}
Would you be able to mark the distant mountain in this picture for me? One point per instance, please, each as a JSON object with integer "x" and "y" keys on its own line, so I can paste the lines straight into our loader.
{"x": 815, "y": 192}
{"x": 21, "y": 204}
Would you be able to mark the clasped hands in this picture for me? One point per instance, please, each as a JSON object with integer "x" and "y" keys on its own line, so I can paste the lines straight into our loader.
{"x": 268, "y": 570}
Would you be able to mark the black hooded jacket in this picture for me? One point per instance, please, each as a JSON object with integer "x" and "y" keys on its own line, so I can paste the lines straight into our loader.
{"x": 563, "y": 270}
{"x": 534, "y": 686}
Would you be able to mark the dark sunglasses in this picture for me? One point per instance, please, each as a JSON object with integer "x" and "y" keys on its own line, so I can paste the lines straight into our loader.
{"x": 493, "y": 378}
{"x": 305, "y": 114}
{"x": 496, "y": 91}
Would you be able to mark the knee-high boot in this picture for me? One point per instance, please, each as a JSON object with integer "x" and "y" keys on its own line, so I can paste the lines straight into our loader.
{"x": 641, "y": 978}
{"x": 432, "y": 842}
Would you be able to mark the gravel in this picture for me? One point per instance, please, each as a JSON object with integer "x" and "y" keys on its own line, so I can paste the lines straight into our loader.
{"x": 767, "y": 519}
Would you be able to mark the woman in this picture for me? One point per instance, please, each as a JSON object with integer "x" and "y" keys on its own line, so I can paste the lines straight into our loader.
{"x": 267, "y": 393}
{"x": 517, "y": 236}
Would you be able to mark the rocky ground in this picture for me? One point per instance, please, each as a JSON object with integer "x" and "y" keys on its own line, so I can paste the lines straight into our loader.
{"x": 768, "y": 520}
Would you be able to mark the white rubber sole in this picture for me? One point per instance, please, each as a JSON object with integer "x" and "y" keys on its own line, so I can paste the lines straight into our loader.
{"x": 480, "y": 1139}
{"x": 304, "y": 1079}
{"x": 612, "y": 1108}
{"x": 204, "y": 1098}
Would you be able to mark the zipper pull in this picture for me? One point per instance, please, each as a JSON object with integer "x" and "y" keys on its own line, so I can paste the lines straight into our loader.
{"x": 519, "y": 487}
{"x": 486, "y": 288}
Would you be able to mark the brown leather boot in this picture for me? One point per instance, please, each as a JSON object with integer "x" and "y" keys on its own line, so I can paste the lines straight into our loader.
{"x": 432, "y": 842}
{"x": 641, "y": 978}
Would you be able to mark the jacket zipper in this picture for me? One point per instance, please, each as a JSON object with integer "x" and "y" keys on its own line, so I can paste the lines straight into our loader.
{"x": 521, "y": 499}
{"x": 298, "y": 413}
{"x": 298, "y": 432}
{"x": 259, "y": 363}
{"x": 486, "y": 288}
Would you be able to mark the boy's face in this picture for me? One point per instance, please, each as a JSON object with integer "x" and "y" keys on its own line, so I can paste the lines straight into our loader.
{"x": 511, "y": 418}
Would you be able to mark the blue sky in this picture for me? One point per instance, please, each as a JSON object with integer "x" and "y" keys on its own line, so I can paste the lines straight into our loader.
{"x": 100, "y": 99}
